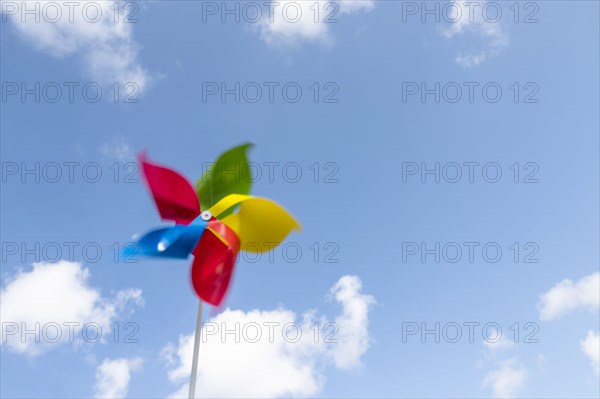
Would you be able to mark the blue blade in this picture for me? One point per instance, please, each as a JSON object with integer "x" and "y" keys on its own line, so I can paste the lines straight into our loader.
{"x": 170, "y": 242}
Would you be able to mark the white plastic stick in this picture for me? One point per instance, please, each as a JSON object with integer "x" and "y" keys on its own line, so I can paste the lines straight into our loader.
{"x": 192, "y": 393}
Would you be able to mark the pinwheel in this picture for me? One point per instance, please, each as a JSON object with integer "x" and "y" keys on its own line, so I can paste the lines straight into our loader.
{"x": 213, "y": 224}
{"x": 213, "y": 236}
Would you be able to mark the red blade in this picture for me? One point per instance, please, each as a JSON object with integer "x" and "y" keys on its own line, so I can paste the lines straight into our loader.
{"x": 214, "y": 259}
{"x": 174, "y": 196}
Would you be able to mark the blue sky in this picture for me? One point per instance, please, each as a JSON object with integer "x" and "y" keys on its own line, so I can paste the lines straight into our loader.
{"x": 359, "y": 210}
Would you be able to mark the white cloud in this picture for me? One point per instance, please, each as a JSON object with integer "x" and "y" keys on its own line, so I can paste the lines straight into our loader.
{"x": 56, "y": 303}
{"x": 591, "y": 347}
{"x": 89, "y": 29}
{"x": 502, "y": 344}
{"x": 293, "y": 21}
{"x": 117, "y": 149}
{"x": 470, "y": 60}
{"x": 494, "y": 350}
{"x": 567, "y": 296}
{"x": 290, "y": 22}
{"x": 541, "y": 361}
{"x": 112, "y": 377}
{"x": 350, "y": 6}
{"x": 261, "y": 369}
{"x": 352, "y": 323}
{"x": 273, "y": 365}
{"x": 507, "y": 379}
{"x": 473, "y": 22}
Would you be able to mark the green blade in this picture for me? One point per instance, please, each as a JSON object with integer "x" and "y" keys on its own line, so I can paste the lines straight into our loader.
{"x": 230, "y": 174}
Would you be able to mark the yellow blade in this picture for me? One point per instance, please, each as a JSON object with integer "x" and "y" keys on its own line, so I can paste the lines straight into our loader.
{"x": 227, "y": 202}
{"x": 260, "y": 224}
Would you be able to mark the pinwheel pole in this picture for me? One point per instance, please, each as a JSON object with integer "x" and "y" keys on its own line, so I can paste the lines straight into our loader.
{"x": 192, "y": 392}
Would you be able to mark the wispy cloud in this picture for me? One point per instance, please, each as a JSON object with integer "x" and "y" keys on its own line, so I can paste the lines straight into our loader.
{"x": 502, "y": 344}
{"x": 293, "y": 22}
{"x": 507, "y": 379}
{"x": 353, "y": 323}
{"x": 591, "y": 347}
{"x": 91, "y": 30}
{"x": 490, "y": 34}
{"x": 113, "y": 375}
{"x": 117, "y": 149}
{"x": 568, "y": 296}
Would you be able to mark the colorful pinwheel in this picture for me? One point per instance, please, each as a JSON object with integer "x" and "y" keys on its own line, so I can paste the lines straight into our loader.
{"x": 215, "y": 234}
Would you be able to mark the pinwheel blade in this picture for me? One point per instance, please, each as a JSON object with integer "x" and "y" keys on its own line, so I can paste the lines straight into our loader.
{"x": 260, "y": 224}
{"x": 229, "y": 174}
{"x": 214, "y": 260}
{"x": 174, "y": 196}
{"x": 169, "y": 242}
